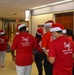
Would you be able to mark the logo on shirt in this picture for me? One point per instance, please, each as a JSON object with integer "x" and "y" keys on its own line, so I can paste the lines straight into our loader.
{"x": 1, "y": 40}
{"x": 25, "y": 41}
{"x": 67, "y": 46}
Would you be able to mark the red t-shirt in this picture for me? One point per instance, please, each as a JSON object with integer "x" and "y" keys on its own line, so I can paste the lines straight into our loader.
{"x": 62, "y": 49}
{"x": 3, "y": 43}
{"x": 24, "y": 44}
{"x": 70, "y": 38}
{"x": 38, "y": 46}
{"x": 46, "y": 40}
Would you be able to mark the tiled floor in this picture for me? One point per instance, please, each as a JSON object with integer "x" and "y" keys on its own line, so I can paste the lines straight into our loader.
{"x": 9, "y": 68}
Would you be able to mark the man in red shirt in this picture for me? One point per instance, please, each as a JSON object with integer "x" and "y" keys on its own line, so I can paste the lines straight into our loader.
{"x": 3, "y": 47}
{"x": 60, "y": 51}
{"x": 47, "y": 37}
{"x": 23, "y": 43}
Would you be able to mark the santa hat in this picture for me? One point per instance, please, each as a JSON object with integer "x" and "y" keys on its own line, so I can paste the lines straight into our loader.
{"x": 40, "y": 31}
{"x": 17, "y": 31}
{"x": 21, "y": 25}
{"x": 2, "y": 32}
{"x": 49, "y": 23}
{"x": 17, "y": 28}
{"x": 57, "y": 27}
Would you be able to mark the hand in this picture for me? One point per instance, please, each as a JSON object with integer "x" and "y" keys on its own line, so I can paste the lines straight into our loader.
{"x": 13, "y": 58}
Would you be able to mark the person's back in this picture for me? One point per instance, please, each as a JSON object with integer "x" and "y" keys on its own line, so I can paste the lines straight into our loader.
{"x": 63, "y": 56}
{"x": 3, "y": 42}
{"x": 61, "y": 51}
{"x": 24, "y": 49}
{"x": 46, "y": 40}
{"x": 45, "y": 45}
{"x": 23, "y": 43}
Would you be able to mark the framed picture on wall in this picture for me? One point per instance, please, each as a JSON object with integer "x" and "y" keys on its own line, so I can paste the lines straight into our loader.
{"x": 40, "y": 26}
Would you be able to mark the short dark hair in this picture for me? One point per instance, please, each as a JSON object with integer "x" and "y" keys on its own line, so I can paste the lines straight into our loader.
{"x": 59, "y": 31}
{"x": 22, "y": 29}
{"x": 69, "y": 32}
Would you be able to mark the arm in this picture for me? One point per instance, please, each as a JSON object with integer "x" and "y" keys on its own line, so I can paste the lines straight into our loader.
{"x": 13, "y": 47}
{"x": 45, "y": 51}
{"x": 73, "y": 55}
{"x": 52, "y": 53}
{"x": 13, "y": 54}
{"x": 51, "y": 59}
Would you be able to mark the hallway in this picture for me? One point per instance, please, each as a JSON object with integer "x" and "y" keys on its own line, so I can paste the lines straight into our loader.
{"x": 9, "y": 68}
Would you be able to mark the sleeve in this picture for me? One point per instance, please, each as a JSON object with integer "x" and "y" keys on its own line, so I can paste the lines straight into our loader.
{"x": 38, "y": 47}
{"x": 52, "y": 51}
{"x": 14, "y": 44}
{"x": 44, "y": 42}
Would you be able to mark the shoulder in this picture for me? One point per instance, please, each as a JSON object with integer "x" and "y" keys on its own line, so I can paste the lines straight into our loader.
{"x": 47, "y": 34}
{"x": 30, "y": 35}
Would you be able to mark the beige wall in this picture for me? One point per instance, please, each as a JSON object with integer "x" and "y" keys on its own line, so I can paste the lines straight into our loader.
{"x": 40, "y": 20}
{"x": 0, "y": 24}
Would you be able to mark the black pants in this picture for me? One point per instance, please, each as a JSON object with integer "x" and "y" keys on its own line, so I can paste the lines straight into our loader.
{"x": 38, "y": 60}
{"x": 47, "y": 67}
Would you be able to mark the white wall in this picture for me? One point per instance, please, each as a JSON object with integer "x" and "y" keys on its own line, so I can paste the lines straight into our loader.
{"x": 40, "y": 20}
{"x": 48, "y": 13}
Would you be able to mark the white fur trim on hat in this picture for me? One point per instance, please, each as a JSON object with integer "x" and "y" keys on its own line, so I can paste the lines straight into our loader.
{"x": 2, "y": 33}
{"x": 21, "y": 25}
{"x": 38, "y": 33}
{"x": 48, "y": 24}
{"x": 57, "y": 29}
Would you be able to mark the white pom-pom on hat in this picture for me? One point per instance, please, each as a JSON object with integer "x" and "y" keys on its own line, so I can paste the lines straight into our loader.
{"x": 64, "y": 31}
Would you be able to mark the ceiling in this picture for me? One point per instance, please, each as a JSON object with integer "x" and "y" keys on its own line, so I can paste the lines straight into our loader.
{"x": 14, "y": 9}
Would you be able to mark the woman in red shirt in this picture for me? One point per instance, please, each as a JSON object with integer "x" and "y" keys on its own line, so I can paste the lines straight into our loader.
{"x": 38, "y": 53}
{"x": 23, "y": 43}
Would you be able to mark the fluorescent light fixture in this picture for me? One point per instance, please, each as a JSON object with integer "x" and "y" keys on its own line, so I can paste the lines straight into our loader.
{"x": 59, "y": 2}
{"x": 27, "y": 15}
{"x": 26, "y": 19}
{"x": 64, "y": 1}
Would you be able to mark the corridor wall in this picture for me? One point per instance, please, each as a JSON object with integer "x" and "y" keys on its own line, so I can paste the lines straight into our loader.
{"x": 0, "y": 24}
{"x": 40, "y": 20}
{"x": 40, "y": 16}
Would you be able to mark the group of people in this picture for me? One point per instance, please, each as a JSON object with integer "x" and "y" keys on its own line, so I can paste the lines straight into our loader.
{"x": 54, "y": 47}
